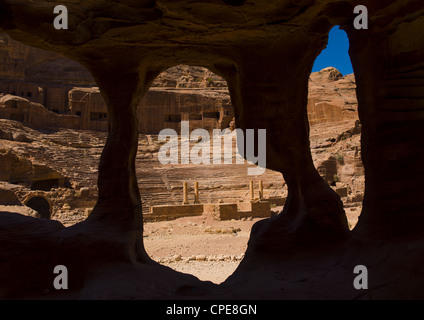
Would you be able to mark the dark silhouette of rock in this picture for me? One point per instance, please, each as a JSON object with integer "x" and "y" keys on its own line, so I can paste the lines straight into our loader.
{"x": 265, "y": 52}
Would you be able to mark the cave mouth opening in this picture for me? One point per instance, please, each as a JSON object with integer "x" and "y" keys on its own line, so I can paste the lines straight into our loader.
{"x": 188, "y": 239}
{"x": 41, "y": 205}
{"x": 335, "y": 129}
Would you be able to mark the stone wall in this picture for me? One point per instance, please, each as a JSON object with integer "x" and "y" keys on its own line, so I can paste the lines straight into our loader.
{"x": 166, "y": 108}
{"x": 160, "y": 108}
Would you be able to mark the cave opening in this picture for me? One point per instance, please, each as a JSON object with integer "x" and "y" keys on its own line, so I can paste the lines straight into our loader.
{"x": 335, "y": 129}
{"x": 198, "y": 217}
{"x": 41, "y": 205}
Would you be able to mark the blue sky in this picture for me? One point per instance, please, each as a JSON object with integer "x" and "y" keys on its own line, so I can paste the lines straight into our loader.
{"x": 336, "y": 54}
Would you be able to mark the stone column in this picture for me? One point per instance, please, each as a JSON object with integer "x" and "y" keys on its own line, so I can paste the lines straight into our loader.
{"x": 389, "y": 74}
{"x": 196, "y": 192}
{"x": 185, "y": 193}
{"x": 261, "y": 190}
{"x": 118, "y": 207}
{"x": 252, "y": 191}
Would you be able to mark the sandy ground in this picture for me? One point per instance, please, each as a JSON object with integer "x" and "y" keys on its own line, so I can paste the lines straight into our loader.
{"x": 202, "y": 246}
{"x": 207, "y": 248}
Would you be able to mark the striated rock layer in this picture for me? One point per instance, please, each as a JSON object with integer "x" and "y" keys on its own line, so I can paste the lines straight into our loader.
{"x": 265, "y": 52}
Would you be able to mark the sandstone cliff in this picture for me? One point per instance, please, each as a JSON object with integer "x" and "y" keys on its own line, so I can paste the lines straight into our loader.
{"x": 19, "y": 62}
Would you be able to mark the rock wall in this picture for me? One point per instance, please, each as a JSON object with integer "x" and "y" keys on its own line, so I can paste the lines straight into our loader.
{"x": 38, "y": 75}
{"x": 160, "y": 108}
{"x": 331, "y": 97}
{"x": 88, "y": 105}
{"x": 19, "y": 62}
{"x": 34, "y": 114}
{"x": 207, "y": 109}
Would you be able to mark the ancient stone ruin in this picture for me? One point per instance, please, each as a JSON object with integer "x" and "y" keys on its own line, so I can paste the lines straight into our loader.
{"x": 265, "y": 52}
{"x": 254, "y": 207}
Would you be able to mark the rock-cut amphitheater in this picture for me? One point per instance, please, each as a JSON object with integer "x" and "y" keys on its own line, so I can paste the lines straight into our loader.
{"x": 264, "y": 50}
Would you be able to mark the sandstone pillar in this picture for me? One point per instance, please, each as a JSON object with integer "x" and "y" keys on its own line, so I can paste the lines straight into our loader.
{"x": 388, "y": 66}
{"x": 185, "y": 193}
{"x": 261, "y": 190}
{"x": 119, "y": 202}
{"x": 269, "y": 89}
{"x": 196, "y": 192}
{"x": 252, "y": 191}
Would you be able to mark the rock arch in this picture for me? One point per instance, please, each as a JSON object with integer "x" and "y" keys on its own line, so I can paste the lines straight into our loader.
{"x": 40, "y": 203}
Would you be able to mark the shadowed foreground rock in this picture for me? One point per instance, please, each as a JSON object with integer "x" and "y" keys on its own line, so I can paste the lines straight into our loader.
{"x": 265, "y": 52}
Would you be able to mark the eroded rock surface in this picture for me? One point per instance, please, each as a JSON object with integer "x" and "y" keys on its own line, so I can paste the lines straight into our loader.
{"x": 265, "y": 52}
